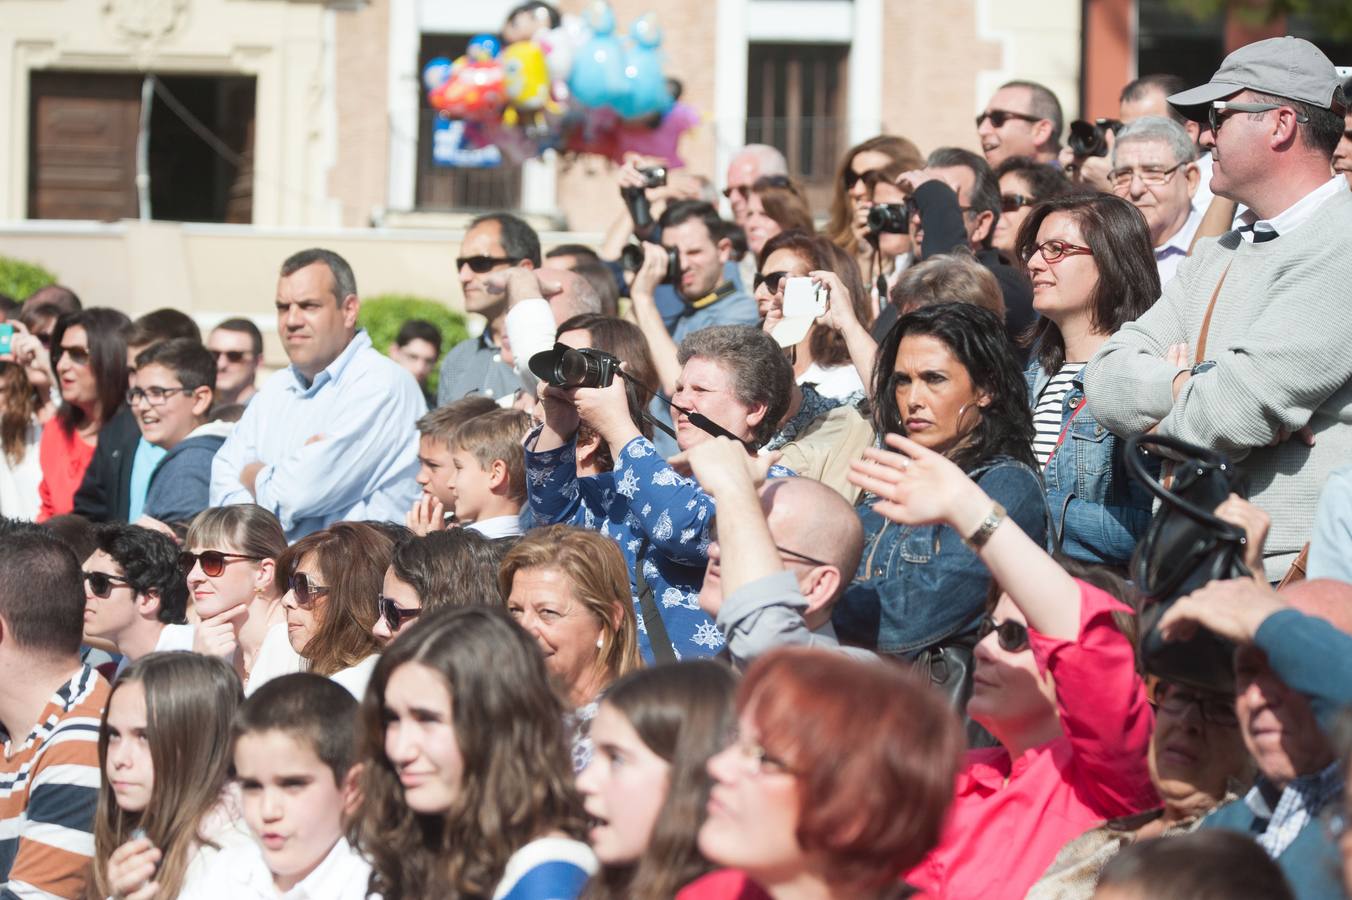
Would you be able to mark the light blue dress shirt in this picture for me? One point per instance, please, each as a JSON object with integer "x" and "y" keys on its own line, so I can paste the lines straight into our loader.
{"x": 364, "y": 468}
{"x": 143, "y": 464}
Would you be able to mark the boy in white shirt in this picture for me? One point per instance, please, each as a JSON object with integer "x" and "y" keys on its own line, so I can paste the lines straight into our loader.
{"x": 294, "y": 748}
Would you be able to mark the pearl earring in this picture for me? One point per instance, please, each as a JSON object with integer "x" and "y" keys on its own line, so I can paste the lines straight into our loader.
{"x": 600, "y": 642}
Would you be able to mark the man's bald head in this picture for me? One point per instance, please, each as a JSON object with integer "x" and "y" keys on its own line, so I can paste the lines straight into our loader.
{"x": 1323, "y": 598}
{"x": 576, "y": 298}
{"x": 808, "y": 517}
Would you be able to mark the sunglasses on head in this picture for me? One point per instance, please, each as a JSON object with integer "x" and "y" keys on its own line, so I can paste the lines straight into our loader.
{"x": 395, "y": 615}
{"x": 306, "y": 593}
{"x": 233, "y": 356}
{"x": 481, "y": 264}
{"x": 1013, "y": 636}
{"x": 213, "y": 562}
{"x": 771, "y": 280}
{"x": 101, "y": 583}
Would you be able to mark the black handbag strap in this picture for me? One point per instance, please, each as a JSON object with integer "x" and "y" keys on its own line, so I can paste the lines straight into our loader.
{"x": 652, "y": 616}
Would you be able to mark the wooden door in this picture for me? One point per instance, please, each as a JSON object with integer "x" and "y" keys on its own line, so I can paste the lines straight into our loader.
{"x": 82, "y": 145}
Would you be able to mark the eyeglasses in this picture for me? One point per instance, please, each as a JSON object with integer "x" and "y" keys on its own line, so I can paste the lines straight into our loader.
{"x": 1216, "y": 120}
{"x": 784, "y": 551}
{"x": 78, "y": 356}
{"x": 394, "y": 614}
{"x": 756, "y": 760}
{"x": 1054, "y": 251}
{"x": 1177, "y": 701}
{"x": 778, "y": 181}
{"x": 771, "y": 280}
{"x": 213, "y": 562}
{"x": 155, "y": 396}
{"x": 1013, "y": 636}
{"x": 233, "y": 356}
{"x": 101, "y": 583}
{"x": 1014, "y": 202}
{"x": 481, "y": 264}
{"x": 999, "y": 117}
{"x": 306, "y": 593}
{"x": 852, "y": 177}
{"x": 1123, "y": 177}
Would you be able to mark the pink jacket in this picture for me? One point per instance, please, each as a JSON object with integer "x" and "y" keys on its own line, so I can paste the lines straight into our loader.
{"x": 1010, "y": 817}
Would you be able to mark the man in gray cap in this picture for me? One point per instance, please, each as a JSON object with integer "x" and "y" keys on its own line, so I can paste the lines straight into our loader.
{"x": 1247, "y": 350}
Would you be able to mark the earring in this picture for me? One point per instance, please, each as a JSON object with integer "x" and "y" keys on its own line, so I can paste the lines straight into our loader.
{"x": 600, "y": 642}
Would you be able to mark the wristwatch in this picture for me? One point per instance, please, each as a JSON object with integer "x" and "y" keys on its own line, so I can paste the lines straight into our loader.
{"x": 977, "y": 539}
{"x": 1205, "y": 365}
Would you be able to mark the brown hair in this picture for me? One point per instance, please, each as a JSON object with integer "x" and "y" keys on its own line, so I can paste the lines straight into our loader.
{"x": 875, "y": 753}
{"x": 190, "y": 704}
{"x": 242, "y": 528}
{"x": 497, "y": 435}
{"x": 827, "y": 345}
{"x": 684, "y": 714}
{"x": 352, "y": 559}
{"x": 18, "y": 411}
{"x": 600, "y": 579}
{"x": 782, "y": 202}
{"x": 440, "y": 424}
{"x": 951, "y": 278}
{"x": 458, "y": 567}
{"x": 518, "y": 776}
{"x": 903, "y": 153}
{"x": 624, "y": 341}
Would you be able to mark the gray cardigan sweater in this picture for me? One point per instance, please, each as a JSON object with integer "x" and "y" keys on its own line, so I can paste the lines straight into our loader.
{"x": 1281, "y": 338}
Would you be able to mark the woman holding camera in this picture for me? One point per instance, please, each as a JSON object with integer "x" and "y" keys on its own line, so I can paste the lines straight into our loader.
{"x": 733, "y": 375}
{"x": 1093, "y": 270}
{"x": 848, "y": 227}
{"x": 946, "y": 378}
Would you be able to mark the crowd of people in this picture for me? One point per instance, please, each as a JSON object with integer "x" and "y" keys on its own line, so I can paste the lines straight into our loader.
{"x": 733, "y": 559}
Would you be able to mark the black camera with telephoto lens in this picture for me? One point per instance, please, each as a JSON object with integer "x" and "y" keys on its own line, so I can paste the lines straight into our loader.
{"x": 636, "y": 199}
{"x": 891, "y": 218}
{"x": 631, "y": 258}
{"x": 1091, "y": 138}
{"x": 568, "y": 367}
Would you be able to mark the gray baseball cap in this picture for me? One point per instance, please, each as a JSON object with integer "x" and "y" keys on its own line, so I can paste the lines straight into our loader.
{"x": 1287, "y": 67}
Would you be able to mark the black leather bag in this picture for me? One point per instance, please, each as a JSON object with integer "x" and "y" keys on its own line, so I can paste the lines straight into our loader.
{"x": 949, "y": 668}
{"x": 1185, "y": 546}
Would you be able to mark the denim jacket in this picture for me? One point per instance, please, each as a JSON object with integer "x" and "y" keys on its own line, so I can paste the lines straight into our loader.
{"x": 1099, "y": 512}
{"x": 919, "y": 585}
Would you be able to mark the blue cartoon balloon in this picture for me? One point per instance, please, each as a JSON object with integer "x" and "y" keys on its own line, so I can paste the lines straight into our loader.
{"x": 483, "y": 47}
{"x": 436, "y": 73}
{"x": 598, "y": 67}
{"x": 645, "y": 90}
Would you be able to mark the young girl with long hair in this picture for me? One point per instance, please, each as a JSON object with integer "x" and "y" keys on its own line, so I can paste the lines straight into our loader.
{"x": 647, "y": 786}
{"x": 164, "y": 748}
{"x": 466, "y": 782}
{"x": 20, "y": 431}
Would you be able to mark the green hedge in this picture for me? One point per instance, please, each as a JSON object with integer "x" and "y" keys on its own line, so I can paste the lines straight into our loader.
{"x": 18, "y": 279}
{"x": 384, "y": 315}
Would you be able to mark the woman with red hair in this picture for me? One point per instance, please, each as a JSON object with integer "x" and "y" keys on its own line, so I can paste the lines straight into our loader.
{"x": 838, "y": 780}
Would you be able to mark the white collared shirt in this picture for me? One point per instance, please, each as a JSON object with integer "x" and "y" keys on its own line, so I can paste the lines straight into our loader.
{"x": 497, "y": 527}
{"x": 1173, "y": 251}
{"x": 241, "y": 873}
{"x": 1297, "y": 213}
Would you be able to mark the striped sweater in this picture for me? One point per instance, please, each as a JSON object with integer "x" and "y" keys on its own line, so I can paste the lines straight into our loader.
{"x": 49, "y": 786}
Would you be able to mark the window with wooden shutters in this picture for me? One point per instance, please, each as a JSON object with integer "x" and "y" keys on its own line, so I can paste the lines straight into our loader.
{"x": 795, "y": 100}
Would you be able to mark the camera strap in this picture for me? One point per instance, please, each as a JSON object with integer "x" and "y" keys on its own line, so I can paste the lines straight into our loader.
{"x": 726, "y": 289}
{"x": 653, "y": 625}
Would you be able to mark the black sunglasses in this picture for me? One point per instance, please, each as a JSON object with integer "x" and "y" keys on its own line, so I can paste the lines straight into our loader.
{"x": 395, "y": 615}
{"x": 101, "y": 583}
{"x": 234, "y": 356}
{"x": 852, "y": 177}
{"x": 999, "y": 117}
{"x": 306, "y": 593}
{"x": 1014, "y": 202}
{"x": 1013, "y": 636}
{"x": 481, "y": 264}
{"x": 213, "y": 561}
{"x": 771, "y": 281}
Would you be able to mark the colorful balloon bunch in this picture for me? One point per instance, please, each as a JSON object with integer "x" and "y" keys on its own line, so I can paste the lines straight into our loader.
{"x": 579, "y": 87}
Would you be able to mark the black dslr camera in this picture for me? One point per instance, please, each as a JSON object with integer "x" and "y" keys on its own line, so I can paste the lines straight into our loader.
{"x": 1091, "y": 138}
{"x": 567, "y": 367}
{"x": 631, "y": 258}
{"x": 635, "y": 198}
{"x": 891, "y": 218}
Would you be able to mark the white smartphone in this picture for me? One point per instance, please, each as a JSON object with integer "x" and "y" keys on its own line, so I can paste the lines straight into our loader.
{"x": 802, "y": 297}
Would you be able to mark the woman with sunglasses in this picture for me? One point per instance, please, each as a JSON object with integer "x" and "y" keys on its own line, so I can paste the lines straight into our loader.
{"x": 848, "y": 226}
{"x": 569, "y": 588}
{"x": 1093, "y": 271}
{"x": 945, "y": 377}
{"x": 229, "y": 559}
{"x": 329, "y": 578}
{"x": 1056, "y": 684}
{"x": 1023, "y": 185}
{"x": 837, "y": 782}
{"x": 89, "y": 353}
{"x": 466, "y": 787}
{"x": 444, "y": 568}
